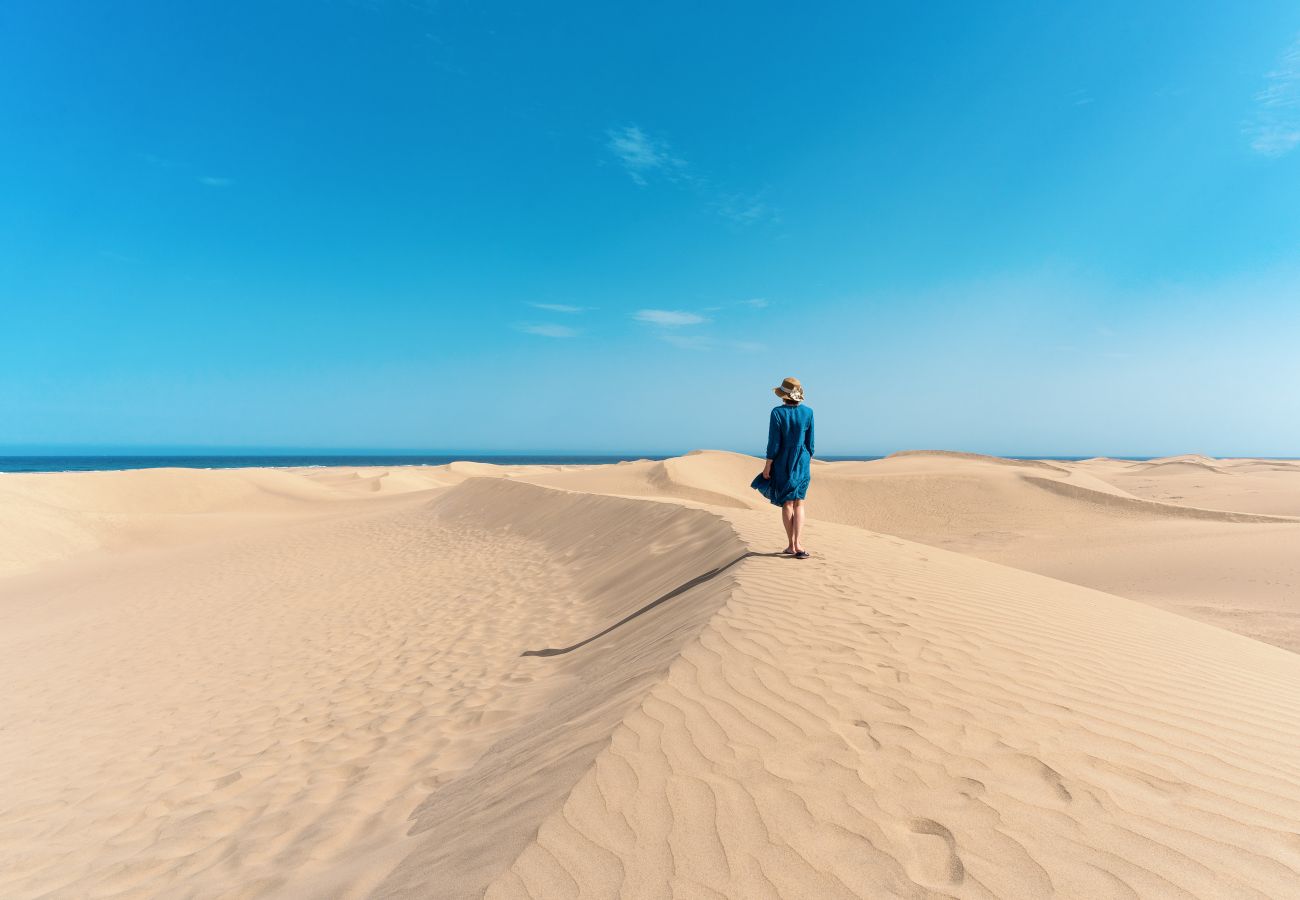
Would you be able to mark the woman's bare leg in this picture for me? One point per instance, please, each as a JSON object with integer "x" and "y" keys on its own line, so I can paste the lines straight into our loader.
{"x": 796, "y": 527}
{"x": 787, "y": 519}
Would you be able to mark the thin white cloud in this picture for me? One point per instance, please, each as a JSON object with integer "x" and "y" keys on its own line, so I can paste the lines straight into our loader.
{"x": 550, "y": 331}
{"x": 668, "y": 318}
{"x": 1274, "y": 130}
{"x": 646, "y": 158}
{"x": 559, "y": 308}
{"x": 641, "y": 155}
{"x": 669, "y": 323}
{"x": 757, "y": 302}
{"x": 213, "y": 182}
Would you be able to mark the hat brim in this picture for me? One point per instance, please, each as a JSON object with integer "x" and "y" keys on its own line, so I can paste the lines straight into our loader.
{"x": 787, "y": 395}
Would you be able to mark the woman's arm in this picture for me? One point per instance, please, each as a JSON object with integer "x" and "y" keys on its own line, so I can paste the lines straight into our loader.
{"x": 808, "y": 438}
{"x": 773, "y": 443}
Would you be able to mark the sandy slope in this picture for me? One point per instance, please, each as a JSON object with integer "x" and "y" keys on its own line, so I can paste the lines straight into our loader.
{"x": 1228, "y": 565}
{"x": 310, "y": 683}
{"x": 895, "y": 721}
{"x": 1245, "y": 485}
{"x": 1230, "y": 560}
{"x": 49, "y": 517}
{"x": 267, "y": 712}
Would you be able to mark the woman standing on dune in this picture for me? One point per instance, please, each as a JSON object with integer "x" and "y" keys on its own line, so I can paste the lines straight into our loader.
{"x": 785, "y": 477}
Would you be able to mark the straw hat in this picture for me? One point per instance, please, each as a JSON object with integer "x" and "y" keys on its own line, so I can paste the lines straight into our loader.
{"x": 790, "y": 389}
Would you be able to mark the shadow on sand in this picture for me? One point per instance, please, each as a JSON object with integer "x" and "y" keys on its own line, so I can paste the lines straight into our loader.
{"x": 680, "y": 589}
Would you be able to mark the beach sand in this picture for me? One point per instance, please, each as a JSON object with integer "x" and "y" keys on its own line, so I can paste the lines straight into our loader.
{"x": 994, "y": 678}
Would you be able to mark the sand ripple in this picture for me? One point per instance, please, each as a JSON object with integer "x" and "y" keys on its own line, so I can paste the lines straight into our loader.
{"x": 895, "y": 721}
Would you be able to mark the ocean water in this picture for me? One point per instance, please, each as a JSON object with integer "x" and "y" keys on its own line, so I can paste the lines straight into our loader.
{"x": 109, "y": 463}
{"x": 116, "y": 462}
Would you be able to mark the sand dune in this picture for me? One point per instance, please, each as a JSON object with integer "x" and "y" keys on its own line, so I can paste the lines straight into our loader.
{"x": 1225, "y": 560}
{"x": 930, "y": 455}
{"x": 600, "y": 681}
{"x": 1177, "y": 467}
{"x": 896, "y": 721}
{"x": 1134, "y": 507}
{"x": 1189, "y": 458}
{"x": 712, "y": 477}
{"x": 1254, "y": 486}
{"x": 49, "y": 517}
{"x": 275, "y": 713}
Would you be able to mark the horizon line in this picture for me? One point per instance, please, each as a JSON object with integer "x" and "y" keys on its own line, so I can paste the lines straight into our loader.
{"x": 174, "y": 451}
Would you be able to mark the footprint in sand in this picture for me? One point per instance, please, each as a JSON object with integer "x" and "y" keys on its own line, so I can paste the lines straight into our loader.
{"x": 934, "y": 849}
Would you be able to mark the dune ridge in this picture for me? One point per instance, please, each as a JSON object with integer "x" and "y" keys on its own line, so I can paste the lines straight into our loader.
{"x": 874, "y": 725}
{"x": 1232, "y": 561}
{"x": 50, "y": 517}
{"x": 978, "y": 457}
{"x": 1192, "y": 466}
{"x": 471, "y": 829}
{"x": 301, "y": 711}
{"x": 1138, "y": 506}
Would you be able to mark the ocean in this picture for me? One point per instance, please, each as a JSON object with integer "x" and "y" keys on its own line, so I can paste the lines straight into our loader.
{"x": 117, "y": 462}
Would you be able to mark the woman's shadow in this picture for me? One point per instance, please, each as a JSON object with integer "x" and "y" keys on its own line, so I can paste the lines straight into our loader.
{"x": 680, "y": 589}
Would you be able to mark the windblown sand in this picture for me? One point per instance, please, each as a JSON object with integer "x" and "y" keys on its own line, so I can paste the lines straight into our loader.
{"x": 552, "y": 682}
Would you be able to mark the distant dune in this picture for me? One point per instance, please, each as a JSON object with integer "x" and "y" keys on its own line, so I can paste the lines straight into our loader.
{"x": 995, "y": 678}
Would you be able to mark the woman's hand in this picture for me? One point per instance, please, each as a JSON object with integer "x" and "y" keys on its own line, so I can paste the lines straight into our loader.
{"x": 767, "y": 470}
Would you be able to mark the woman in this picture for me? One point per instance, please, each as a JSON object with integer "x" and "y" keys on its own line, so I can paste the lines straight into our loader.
{"x": 789, "y": 456}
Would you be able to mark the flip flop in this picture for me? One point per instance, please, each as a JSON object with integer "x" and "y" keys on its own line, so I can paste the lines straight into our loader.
{"x": 802, "y": 554}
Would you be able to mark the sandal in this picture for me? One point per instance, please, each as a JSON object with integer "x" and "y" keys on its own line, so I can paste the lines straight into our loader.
{"x": 802, "y": 554}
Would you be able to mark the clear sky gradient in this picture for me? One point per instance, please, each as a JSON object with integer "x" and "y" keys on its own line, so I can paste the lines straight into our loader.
{"x": 1054, "y": 228}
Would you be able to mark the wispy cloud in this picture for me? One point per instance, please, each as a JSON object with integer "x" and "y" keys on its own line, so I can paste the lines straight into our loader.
{"x": 559, "y": 308}
{"x": 757, "y": 302}
{"x": 548, "y": 330}
{"x": 641, "y": 155}
{"x": 1274, "y": 130}
{"x": 214, "y": 182}
{"x": 669, "y": 324}
{"x": 668, "y": 318}
{"x": 647, "y": 159}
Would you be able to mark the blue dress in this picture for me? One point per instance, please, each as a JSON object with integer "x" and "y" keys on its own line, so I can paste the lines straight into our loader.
{"x": 790, "y": 447}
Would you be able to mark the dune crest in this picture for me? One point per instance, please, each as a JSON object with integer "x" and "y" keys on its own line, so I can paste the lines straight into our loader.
{"x": 975, "y": 457}
{"x": 876, "y": 724}
{"x": 297, "y": 711}
{"x": 1153, "y": 508}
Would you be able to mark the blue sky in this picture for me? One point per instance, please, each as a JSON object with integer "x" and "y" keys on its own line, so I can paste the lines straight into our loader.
{"x": 1008, "y": 227}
